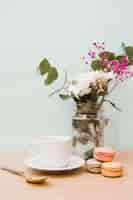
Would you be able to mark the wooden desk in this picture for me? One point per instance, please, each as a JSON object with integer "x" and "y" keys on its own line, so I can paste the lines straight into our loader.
{"x": 78, "y": 186}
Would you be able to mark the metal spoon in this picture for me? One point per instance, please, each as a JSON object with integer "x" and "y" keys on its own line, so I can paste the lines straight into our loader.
{"x": 30, "y": 178}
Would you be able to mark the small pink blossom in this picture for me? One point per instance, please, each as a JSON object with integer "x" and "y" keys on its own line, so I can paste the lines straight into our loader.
{"x": 124, "y": 60}
{"x": 120, "y": 67}
{"x": 92, "y": 54}
{"x": 86, "y": 59}
{"x": 114, "y": 63}
{"x": 124, "y": 75}
{"x": 99, "y": 45}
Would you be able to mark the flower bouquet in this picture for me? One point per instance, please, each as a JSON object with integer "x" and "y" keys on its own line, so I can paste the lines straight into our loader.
{"x": 90, "y": 90}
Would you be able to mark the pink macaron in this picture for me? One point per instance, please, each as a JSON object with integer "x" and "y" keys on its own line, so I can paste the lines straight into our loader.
{"x": 104, "y": 154}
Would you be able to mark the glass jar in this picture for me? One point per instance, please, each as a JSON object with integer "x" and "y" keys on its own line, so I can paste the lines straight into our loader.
{"x": 88, "y": 125}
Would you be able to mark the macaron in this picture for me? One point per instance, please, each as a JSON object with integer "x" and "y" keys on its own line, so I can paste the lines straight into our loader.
{"x": 93, "y": 166}
{"x": 112, "y": 169}
{"x": 104, "y": 154}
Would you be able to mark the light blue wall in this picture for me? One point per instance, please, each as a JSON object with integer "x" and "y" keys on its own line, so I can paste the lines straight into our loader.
{"x": 62, "y": 30}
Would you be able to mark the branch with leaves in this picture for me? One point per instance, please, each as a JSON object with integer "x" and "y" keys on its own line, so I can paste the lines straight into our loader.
{"x": 106, "y": 67}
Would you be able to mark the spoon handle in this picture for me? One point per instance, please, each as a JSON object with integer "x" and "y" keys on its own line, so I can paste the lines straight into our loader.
{"x": 12, "y": 171}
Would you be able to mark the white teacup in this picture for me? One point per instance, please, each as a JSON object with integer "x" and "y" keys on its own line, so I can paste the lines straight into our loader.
{"x": 54, "y": 151}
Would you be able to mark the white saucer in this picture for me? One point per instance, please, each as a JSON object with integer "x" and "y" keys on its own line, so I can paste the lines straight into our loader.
{"x": 35, "y": 163}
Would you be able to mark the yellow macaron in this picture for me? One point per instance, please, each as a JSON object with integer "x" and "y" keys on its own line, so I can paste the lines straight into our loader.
{"x": 93, "y": 166}
{"x": 112, "y": 169}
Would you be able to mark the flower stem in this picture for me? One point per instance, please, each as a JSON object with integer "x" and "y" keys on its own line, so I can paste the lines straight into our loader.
{"x": 113, "y": 105}
{"x": 58, "y": 90}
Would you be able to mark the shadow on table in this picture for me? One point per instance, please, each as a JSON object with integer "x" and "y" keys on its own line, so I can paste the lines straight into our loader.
{"x": 62, "y": 174}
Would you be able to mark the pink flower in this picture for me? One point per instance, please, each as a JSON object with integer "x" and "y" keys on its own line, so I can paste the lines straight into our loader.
{"x": 86, "y": 59}
{"x": 92, "y": 54}
{"x": 124, "y": 75}
{"x": 114, "y": 63}
{"x": 124, "y": 60}
{"x": 99, "y": 45}
{"x": 119, "y": 67}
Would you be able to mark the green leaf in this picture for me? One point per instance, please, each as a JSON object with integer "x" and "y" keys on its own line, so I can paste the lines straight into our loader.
{"x": 64, "y": 97}
{"x": 44, "y": 66}
{"x": 111, "y": 56}
{"x": 129, "y": 50}
{"x": 129, "y": 53}
{"x": 96, "y": 65}
{"x": 52, "y": 76}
